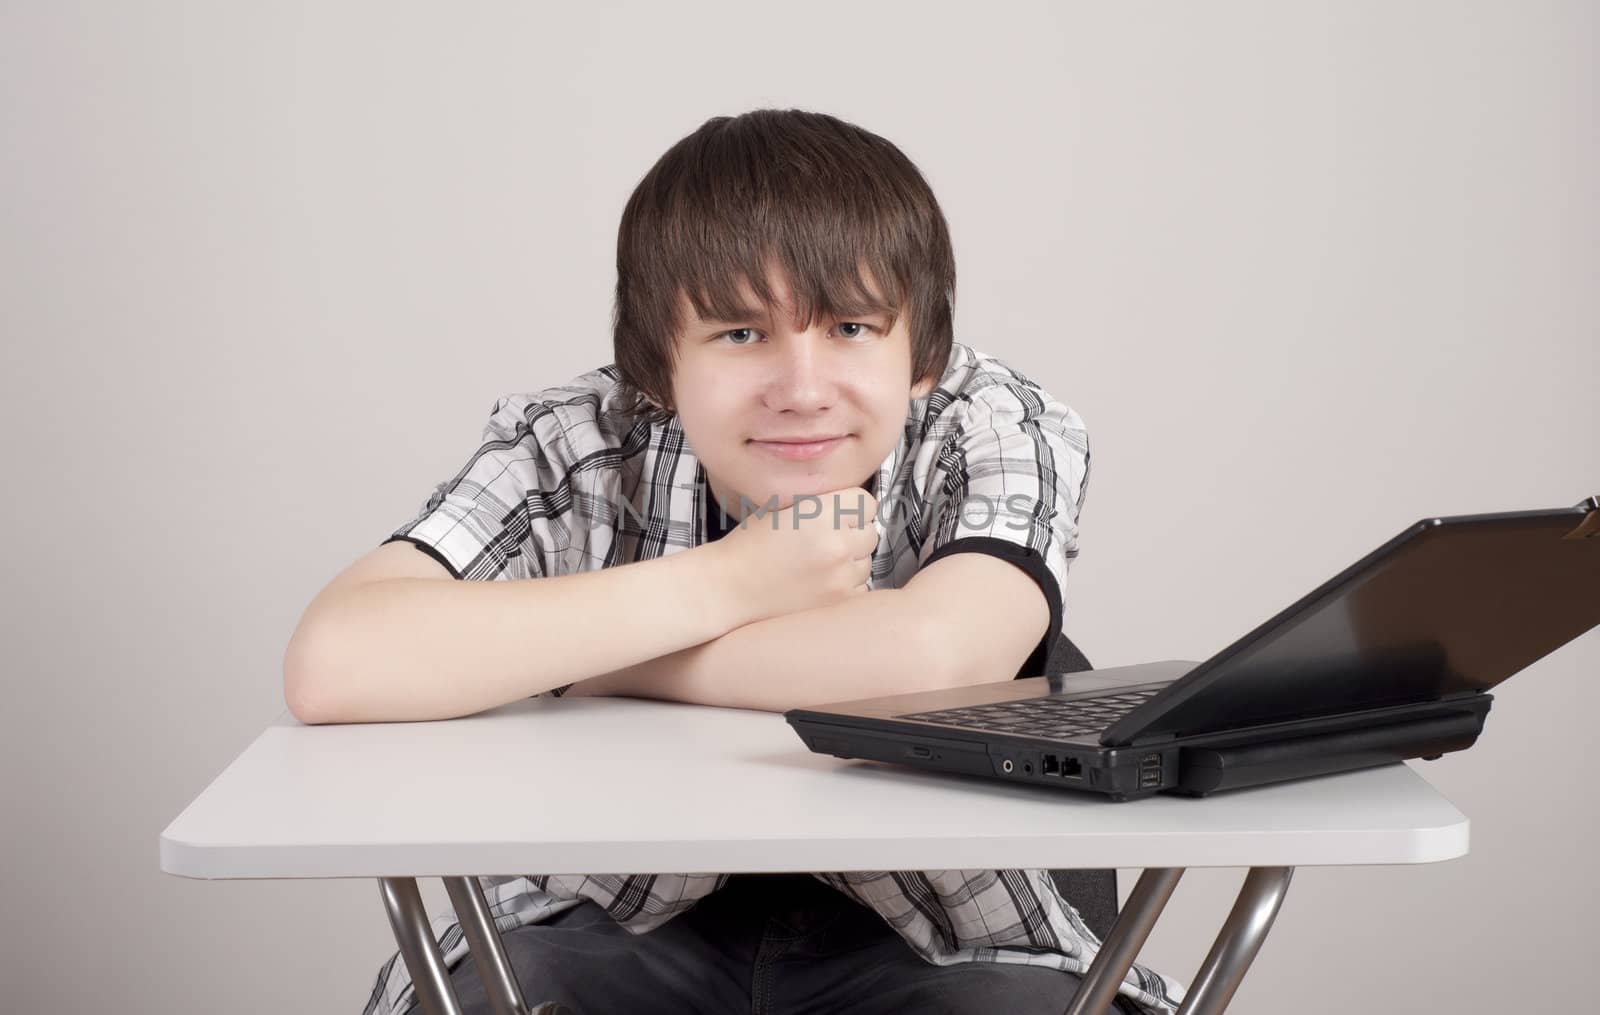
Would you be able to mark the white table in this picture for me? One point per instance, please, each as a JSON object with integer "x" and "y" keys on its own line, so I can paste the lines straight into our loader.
{"x": 397, "y": 801}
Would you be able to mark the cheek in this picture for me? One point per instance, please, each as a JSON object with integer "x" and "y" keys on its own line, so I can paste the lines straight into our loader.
{"x": 714, "y": 421}
{"x": 699, "y": 397}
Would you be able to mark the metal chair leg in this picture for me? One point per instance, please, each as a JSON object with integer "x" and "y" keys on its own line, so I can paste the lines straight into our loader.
{"x": 1122, "y": 944}
{"x": 485, "y": 946}
{"x": 409, "y": 920}
{"x": 1239, "y": 940}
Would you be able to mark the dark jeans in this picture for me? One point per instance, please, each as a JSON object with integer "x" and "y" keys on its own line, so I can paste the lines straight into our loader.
{"x": 764, "y": 944}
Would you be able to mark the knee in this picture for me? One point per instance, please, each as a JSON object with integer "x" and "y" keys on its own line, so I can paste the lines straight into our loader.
{"x": 542, "y": 978}
{"x": 570, "y": 964}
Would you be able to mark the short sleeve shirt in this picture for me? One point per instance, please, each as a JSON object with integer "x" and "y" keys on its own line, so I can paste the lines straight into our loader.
{"x": 564, "y": 481}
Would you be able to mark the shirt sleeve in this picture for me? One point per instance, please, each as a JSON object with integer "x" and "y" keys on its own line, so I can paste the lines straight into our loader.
{"x": 506, "y": 513}
{"x": 1015, "y": 471}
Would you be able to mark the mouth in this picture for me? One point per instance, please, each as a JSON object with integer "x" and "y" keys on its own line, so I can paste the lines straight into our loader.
{"x": 800, "y": 450}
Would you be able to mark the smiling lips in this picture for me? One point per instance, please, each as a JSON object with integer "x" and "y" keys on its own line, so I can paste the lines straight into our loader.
{"x": 801, "y": 450}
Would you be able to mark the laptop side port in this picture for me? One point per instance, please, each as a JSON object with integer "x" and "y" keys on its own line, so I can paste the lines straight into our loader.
{"x": 1071, "y": 768}
{"x": 1150, "y": 771}
{"x": 1049, "y": 766}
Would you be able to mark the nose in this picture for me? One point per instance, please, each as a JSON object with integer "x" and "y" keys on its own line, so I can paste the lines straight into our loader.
{"x": 804, "y": 376}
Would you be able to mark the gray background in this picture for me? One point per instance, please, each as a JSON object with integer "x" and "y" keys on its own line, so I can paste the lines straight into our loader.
{"x": 1308, "y": 272}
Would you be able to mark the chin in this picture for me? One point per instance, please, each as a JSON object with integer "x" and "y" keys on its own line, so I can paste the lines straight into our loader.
{"x": 786, "y": 494}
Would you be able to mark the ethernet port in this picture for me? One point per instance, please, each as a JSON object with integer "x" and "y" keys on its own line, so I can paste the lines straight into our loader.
{"x": 1071, "y": 768}
{"x": 1050, "y": 766}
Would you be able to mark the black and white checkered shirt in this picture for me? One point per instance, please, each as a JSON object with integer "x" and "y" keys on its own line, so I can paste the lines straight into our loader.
{"x": 565, "y": 482}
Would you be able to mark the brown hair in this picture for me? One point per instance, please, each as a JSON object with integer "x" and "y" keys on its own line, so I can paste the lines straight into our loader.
{"x": 818, "y": 197}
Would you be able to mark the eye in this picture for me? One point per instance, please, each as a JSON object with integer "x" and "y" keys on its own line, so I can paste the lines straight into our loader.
{"x": 862, "y": 329}
{"x": 860, "y": 332}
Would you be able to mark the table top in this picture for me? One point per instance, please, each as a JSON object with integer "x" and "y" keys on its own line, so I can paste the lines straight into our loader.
{"x": 624, "y": 785}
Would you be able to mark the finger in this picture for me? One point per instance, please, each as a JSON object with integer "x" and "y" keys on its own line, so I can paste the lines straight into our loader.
{"x": 869, "y": 507}
{"x": 857, "y": 505}
{"x": 850, "y": 511}
{"x": 869, "y": 539}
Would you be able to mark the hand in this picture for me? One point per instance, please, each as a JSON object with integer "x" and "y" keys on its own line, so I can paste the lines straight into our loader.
{"x": 814, "y": 552}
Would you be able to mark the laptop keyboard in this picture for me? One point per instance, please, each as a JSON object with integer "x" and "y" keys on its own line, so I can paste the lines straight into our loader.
{"x": 1041, "y": 717}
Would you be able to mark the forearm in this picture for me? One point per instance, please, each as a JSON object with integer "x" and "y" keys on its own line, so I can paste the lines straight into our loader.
{"x": 409, "y": 649}
{"x": 872, "y": 645}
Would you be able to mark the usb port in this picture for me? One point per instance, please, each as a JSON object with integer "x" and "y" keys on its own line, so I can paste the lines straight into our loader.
{"x": 1150, "y": 761}
{"x": 1149, "y": 779}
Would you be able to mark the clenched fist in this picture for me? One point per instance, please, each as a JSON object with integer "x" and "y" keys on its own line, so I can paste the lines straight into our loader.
{"x": 814, "y": 552}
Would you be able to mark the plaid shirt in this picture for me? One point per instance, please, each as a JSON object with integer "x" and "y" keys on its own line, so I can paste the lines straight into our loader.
{"x": 565, "y": 482}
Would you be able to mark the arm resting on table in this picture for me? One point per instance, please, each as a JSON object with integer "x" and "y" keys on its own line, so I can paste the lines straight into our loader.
{"x": 404, "y": 649}
{"x": 935, "y": 632}
{"x": 876, "y": 644}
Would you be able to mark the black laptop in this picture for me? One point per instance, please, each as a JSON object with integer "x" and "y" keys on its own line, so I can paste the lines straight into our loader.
{"x": 1390, "y": 659}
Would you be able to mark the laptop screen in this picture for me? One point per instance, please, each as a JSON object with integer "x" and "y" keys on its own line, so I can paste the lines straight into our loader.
{"x": 1450, "y": 606}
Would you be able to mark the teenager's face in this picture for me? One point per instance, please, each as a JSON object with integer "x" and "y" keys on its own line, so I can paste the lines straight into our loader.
{"x": 739, "y": 383}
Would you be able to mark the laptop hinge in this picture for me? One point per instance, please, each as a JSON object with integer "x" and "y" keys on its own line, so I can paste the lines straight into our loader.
{"x": 1589, "y": 528}
{"x": 1327, "y": 720}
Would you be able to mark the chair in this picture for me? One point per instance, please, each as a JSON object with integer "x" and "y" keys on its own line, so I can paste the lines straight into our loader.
{"x": 1092, "y": 892}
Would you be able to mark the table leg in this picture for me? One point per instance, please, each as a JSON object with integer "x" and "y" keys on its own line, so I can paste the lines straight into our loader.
{"x": 1121, "y": 946}
{"x": 485, "y": 946}
{"x": 1237, "y": 943}
{"x": 409, "y": 919}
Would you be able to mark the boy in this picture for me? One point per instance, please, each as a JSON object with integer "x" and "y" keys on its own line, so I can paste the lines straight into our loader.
{"x": 791, "y": 453}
